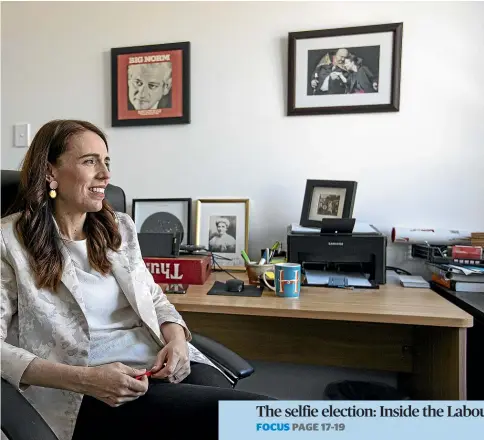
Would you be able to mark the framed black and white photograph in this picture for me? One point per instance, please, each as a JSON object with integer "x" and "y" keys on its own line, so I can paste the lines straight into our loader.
{"x": 222, "y": 227}
{"x": 222, "y": 234}
{"x": 345, "y": 70}
{"x": 163, "y": 215}
{"x": 327, "y": 199}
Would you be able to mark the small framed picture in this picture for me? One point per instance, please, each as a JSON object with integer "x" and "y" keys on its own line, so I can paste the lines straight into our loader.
{"x": 345, "y": 70}
{"x": 222, "y": 226}
{"x": 150, "y": 84}
{"x": 164, "y": 215}
{"x": 327, "y": 199}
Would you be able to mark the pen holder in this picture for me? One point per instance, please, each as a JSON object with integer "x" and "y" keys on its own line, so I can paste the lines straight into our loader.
{"x": 278, "y": 257}
{"x": 255, "y": 271}
{"x": 278, "y": 254}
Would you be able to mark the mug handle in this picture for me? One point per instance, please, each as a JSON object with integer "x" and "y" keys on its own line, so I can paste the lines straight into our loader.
{"x": 266, "y": 283}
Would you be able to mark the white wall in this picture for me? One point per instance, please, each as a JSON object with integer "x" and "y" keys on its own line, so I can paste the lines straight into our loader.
{"x": 422, "y": 166}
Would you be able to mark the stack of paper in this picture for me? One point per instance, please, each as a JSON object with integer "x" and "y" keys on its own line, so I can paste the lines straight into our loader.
{"x": 321, "y": 278}
{"x": 413, "y": 281}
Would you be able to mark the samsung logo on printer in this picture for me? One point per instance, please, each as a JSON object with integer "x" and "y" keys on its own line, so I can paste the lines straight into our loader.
{"x": 335, "y": 243}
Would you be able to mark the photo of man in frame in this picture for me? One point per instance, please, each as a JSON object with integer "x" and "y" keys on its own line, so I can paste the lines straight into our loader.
{"x": 149, "y": 86}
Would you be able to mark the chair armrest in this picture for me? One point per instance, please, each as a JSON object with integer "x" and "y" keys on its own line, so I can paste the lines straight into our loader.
{"x": 223, "y": 357}
{"x": 20, "y": 421}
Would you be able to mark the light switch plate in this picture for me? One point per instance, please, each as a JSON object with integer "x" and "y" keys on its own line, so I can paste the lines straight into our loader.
{"x": 21, "y": 135}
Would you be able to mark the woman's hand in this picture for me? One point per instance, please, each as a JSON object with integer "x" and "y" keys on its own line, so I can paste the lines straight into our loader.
{"x": 114, "y": 384}
{"x": 172, "y": 362}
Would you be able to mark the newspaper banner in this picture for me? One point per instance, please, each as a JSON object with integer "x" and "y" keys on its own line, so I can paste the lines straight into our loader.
{"x": 350, "y": 420}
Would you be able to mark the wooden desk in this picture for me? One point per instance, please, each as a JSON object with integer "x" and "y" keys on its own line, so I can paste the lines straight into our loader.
{"x": 414, "y": 332}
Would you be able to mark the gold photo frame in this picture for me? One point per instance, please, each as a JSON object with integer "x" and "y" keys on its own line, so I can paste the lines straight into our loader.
{"x": 222, "y": 226}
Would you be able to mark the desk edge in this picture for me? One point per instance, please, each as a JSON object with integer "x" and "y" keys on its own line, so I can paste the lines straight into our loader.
{"x": 331, "y": 316}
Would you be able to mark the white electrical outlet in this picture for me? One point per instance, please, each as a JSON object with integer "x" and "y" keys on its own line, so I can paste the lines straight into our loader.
{"x": 21, "y": 135}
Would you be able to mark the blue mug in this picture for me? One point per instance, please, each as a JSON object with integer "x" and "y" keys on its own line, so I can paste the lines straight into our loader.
{"x": 287, "y": 282}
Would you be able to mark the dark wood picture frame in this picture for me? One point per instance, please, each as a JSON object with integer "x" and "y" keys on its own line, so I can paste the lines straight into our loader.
{"x": 178, "y": 112}
{"x": 311, "y": 185}
{"x": 393, "y": 106}
{"x": 188, "y": 201}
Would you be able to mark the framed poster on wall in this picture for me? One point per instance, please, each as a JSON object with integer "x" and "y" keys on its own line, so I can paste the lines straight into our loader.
{"x": 150, "y": 85}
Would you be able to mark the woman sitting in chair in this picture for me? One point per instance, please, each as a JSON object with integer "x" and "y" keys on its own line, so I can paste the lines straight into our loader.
{"x": 83, "y": 316}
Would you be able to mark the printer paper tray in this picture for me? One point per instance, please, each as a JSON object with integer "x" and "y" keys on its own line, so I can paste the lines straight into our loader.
{"x": 335, "y": 279}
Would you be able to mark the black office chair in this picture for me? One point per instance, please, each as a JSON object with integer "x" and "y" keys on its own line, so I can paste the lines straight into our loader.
{"x": 19, "y": 420}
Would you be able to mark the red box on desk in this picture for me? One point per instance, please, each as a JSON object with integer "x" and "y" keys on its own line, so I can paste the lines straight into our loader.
{"x": 467, "y": 252}
{"x": 186, "y": 269}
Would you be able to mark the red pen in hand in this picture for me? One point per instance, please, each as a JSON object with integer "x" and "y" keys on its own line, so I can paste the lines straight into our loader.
{"x": 147, "y": 374}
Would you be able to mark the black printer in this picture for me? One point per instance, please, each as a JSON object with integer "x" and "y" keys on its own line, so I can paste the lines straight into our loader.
{"x": 343, "y": 252}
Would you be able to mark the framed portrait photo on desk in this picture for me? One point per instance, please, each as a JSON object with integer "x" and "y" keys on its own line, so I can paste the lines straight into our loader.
{"x": 222, "y": 226}
{"x": 327, "y": 199}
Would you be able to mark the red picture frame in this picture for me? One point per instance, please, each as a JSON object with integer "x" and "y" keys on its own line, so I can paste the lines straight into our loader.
{"x": 150, "y": 85}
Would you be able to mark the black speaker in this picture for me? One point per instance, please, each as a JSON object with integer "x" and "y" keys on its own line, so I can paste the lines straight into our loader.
{"x": 159, "y": 244}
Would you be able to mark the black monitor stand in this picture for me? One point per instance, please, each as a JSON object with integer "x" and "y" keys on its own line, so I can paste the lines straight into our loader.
{"x": 337, "y": 225}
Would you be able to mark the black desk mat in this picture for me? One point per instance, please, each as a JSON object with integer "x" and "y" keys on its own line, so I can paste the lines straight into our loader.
{"x": 219, "y": 288}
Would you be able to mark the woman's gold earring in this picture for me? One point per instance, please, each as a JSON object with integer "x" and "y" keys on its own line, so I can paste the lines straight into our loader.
{"x": 53, "y": 186}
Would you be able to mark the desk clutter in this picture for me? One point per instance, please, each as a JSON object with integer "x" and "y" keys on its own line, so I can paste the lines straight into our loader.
{"x": 458, "y": 267}
{"x": 327, "y": 247}
{"x": 458, "y": 277}
{"x": 340, "y": 253}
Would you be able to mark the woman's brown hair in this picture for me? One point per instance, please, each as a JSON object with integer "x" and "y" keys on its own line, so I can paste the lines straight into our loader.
{"x": 36, "y": 227}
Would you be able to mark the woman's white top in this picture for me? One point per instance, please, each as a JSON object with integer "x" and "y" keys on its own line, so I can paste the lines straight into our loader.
{"x": 117, "y": 333}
